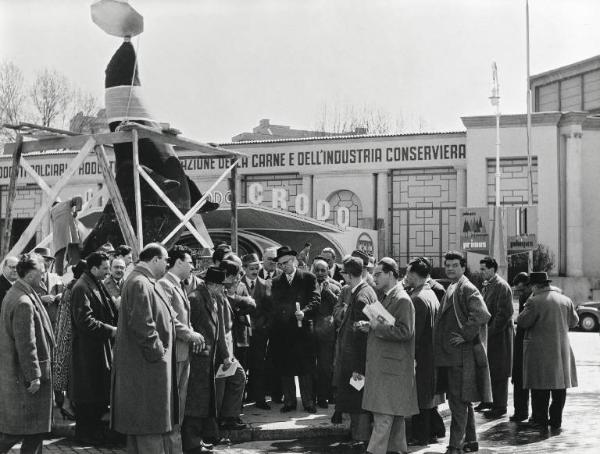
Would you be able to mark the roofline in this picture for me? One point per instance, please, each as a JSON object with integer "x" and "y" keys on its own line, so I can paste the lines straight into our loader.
{"x": 344, "y": 137}
{"x": 570, "y": 70}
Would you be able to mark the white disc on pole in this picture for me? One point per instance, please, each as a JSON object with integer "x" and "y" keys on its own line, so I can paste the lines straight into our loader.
{"x": 117, "y": 18}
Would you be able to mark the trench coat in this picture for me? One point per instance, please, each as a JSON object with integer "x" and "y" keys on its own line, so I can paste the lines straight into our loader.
{"x": 426, "y": 307}
{"x": 94, "y": 317}
{"x": 352, "y": 349}
{"x": 548, "y": 361}
{"x": 292, "y": 347}
{"x": 26, "y": 344}
{"x": 144, "y": 397}
{"x": 390, "y": 384}
{"x": 205, "y": 319}
{"x": 464, "y": 312}
{"x": 498, "y": 297}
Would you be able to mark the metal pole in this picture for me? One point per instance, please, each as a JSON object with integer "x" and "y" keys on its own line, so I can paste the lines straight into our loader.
{"x": 136, "y": 188}
{"x": 234, "y": 220}
{"x": 529, "y": 175}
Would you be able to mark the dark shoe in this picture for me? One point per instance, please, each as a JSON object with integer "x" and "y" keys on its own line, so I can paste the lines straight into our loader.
{"x": 205, "y": 445}
{"x": 262, "y": 405}
{"x": 232, "y": 424}
{"x": 415, "y": 442}
{"x": 322, "y": 403}
{"x": 535, "y": 425}
{"x": 483, "y": 406}
{"x": 276, "y": 399}
{"x": 310, "y": 409}
{"x": 219, "y": 441}
{"x": 451, "y": 450}
{"x": 494, "y": 413}
{"x": 517, "y": 418}
{"x": 287, "y": 408}
{"x": 336, "y": 418}
{"x": 471, "y": 446}
{"x": 199, "y": 450}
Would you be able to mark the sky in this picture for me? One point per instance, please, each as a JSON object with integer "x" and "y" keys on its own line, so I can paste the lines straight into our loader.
{"x": 214, "y": 68}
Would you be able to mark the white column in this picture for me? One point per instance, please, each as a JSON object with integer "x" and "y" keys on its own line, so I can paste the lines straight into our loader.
{"x": 383, "y": 212}
{"x": 574, "y": 202}
{"x": 307, "y": 188}
{"x": 461, "y": 201}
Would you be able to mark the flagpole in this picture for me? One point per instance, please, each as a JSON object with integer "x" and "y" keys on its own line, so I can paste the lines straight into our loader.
{"x": 529, "y": 100}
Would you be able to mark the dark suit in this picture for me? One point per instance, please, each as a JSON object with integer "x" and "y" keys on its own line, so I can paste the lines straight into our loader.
{"x": 261, "y": 321}
{"x": 201, "y": 408}
{"x": 335, "y": 273}
{"x": 242, "y": 304}
{"x": 520, "y": 395}
{"x": 94, "y": 318}
{"x": 263, "y": 274}
{"x": 325, "y": 334}
{"x": 293, "y": 347}
{"x": 4, "y": 286}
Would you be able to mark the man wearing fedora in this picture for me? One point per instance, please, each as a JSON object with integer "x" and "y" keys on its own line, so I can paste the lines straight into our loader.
{"x": 295, "y": 301}
{"x": 260, "y": 322}
{"x": 548, "y": 361}
{"x": 51, "y": 287}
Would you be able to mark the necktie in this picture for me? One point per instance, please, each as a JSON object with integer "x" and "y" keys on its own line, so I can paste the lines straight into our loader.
{"x": 251, "y": 285}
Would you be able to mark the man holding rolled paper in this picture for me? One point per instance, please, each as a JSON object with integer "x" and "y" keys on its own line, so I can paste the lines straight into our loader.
{"x": 295, "y": 297}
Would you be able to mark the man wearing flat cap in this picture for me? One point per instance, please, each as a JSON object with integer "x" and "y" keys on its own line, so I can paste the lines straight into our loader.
{"x": 548, "y": 361}
{"x": 51, "y": 287}
{"x": 295, "y": 300}
{"x": 260, "y": 321}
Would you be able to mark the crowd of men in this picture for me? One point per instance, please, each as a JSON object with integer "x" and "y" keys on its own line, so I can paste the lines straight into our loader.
{"x": 166, "y": 357}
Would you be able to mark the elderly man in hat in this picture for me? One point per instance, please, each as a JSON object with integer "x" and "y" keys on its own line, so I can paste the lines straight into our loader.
{"x": 201, "y": 410}
{"x": 295, "y": 301}
{"x": 548, "y": 361}
{"x": 51, "y": 287}
{"x": 26, "y": 345}
{"x": 269, "y": 269}
{"x": 260, "y": 322}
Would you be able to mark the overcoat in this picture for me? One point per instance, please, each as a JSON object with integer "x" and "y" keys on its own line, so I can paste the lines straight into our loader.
{"x": 181, "y": 306}
{"x": 144, "y": 398}
{"x": 4, "y": 286}
{"x": 463, "y": 311}
{"x": 260, "y": 317}
{"x": 26, "y": 343}
{"x": 293, "y": 349}
{"x": 498, "y": 296}
{"x": 390, "y": 385}
{"x": 241, "y": 304}
{"x": 352, "y": 349}
{"x": 548, "y": 361}
{"x": 51, "y": 284}
{"x": 426, "y": 308}
{"x": 205, "y": 319}
{"x": 94, "y": 317}
{"x": 324, "y": 325}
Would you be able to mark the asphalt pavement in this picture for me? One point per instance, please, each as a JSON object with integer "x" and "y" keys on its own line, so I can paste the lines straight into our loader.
{"x": 580, "y": 433}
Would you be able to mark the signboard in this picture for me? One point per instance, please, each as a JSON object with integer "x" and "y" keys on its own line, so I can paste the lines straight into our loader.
{"x": 521, "y": 243}
{"x": 474, "y": 229}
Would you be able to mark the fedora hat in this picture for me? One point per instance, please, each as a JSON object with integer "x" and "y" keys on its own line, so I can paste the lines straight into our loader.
{"x": 214, "y": 275}
{"x": 538, "y": 277}
{"x": 285, "y": 250}
{"x": 361, "y": 255}
{"x": 250, "y": 259}
{"x": 44, "y": 252}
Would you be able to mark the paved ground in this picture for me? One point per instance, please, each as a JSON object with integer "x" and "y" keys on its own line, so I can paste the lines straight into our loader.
{"x": 580, "y": 433}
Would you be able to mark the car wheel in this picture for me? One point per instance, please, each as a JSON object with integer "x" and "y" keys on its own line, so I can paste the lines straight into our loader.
{"x": 588, "y": 323}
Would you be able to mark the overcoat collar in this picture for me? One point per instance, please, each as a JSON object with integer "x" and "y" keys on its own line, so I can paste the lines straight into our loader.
{"x": 391, "y": 295}
{"x": 26, "y": 289}
{"x": 177, "y": 285}
{"x": 145, "y": 271}
{"x": 93, "y": 285}
{"x": 447, "y": 304}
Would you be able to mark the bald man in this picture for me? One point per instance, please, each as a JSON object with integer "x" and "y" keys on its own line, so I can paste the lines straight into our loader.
{"x": 9, "y": 276}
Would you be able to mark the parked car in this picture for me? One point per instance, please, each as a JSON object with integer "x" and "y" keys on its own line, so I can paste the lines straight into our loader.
{"x": 589, "y": 315}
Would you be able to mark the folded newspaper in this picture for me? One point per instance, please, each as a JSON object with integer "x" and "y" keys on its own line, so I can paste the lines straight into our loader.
{"x": 226, "y": 373}
{"x": 376, "y": 311}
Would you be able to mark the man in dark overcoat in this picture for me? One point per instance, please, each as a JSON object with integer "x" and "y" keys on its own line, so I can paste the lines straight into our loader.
{"x": 520, "y": 394}
{"x": 9, "y": 275}
{"x": 199, "y": 423}
{"x": 426, "y": 308}
{"x": 548, "y": 360}
{"x": 353, "y": 350}
{"x": 144, "y": 399}
{"x": 94, "y": 318}
{"x": 260, "y": 320}
{"x": 497, "y": 295}
{"x": 325, "y": 331}
{"x": 459, "y": 353}
{"x": 295, "y": 301}
{"x": 26, "y": 344}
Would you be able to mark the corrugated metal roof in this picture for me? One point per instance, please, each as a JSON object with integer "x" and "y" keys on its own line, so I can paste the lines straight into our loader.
{"x": 329, "y": 138}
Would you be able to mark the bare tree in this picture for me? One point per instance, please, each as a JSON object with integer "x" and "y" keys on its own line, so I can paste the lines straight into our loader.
{"x": 50, "y": 96}
{"x": 12, "y": 98}
{"x": 347, "y": 118}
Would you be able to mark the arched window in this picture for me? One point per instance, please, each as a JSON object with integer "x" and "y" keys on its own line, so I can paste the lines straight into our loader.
{"x": 347, "y": 199}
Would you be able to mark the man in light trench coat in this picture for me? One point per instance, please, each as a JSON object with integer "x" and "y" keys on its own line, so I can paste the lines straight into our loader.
{"x": 390, "y": 389}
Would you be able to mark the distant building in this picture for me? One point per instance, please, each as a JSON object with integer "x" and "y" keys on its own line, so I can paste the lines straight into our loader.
{"x": 266, "y": 131}
{"x": 87, "y": 124}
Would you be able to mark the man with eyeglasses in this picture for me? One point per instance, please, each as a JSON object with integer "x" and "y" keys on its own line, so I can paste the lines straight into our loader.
{"x": 9, "y": 276}
{"x": 295, "y": 301}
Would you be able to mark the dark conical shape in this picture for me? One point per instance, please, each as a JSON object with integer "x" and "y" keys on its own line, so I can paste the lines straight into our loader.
{"x": 121, "y": 67}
